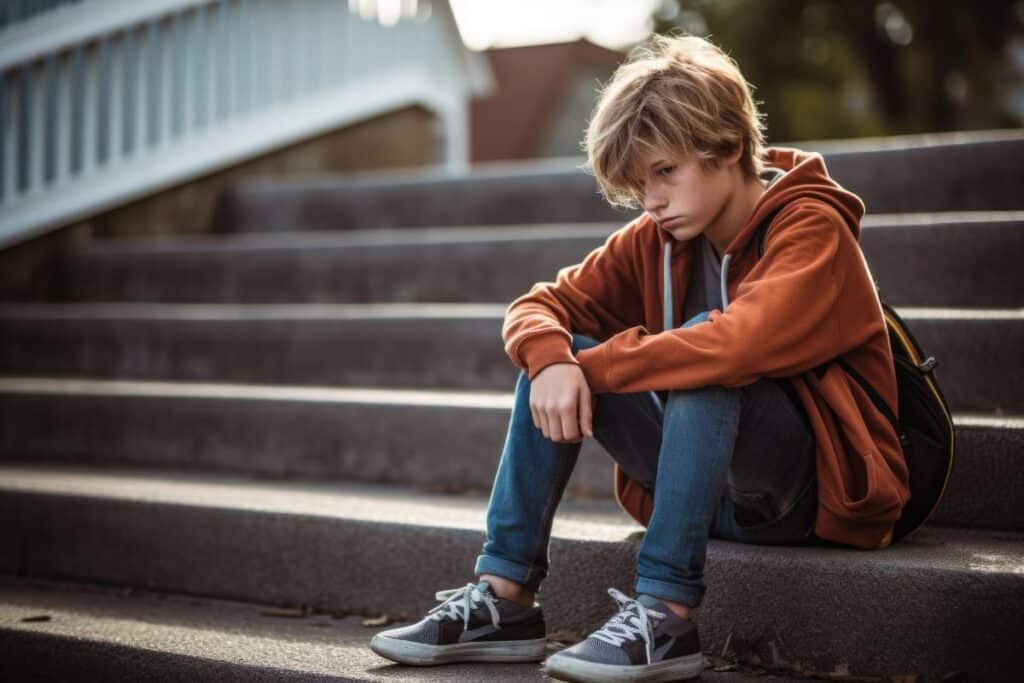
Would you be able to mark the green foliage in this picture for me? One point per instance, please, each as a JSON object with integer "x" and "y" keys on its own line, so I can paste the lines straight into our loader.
{"x": 851, "y": 68}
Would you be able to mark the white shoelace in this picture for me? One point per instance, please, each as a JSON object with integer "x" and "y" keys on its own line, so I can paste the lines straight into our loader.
{"x": 632, "y": 620}
{"x": 470, "y": 597}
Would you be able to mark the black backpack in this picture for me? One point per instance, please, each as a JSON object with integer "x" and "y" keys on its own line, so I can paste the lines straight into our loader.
{"x": 925, "y": 427}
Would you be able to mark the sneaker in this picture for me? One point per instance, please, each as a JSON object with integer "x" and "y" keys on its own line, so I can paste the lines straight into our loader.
{"x": 471, "y": 625}
{"x": 644, "y": 641}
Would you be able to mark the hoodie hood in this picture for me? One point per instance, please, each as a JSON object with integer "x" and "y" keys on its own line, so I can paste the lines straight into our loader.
{"x": 803, "y": 175}
{"x": 791, "y": 174}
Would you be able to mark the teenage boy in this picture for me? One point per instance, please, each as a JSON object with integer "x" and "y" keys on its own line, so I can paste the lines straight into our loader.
{"x": 702, "y": 367}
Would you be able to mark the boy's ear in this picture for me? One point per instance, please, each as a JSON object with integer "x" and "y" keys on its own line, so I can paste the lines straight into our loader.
{"x": 734, "y": 156}
{"x": 730, "y": 159}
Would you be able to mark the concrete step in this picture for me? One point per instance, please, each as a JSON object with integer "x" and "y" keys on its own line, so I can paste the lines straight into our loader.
{"x": 944, "y": 172}
{"x": 63, "y": 630}
{"x": 399, "y": 345}
{"x": 962, "y": 259}
{"x": 442, "y": 440}
{"x": 941, "y": 600}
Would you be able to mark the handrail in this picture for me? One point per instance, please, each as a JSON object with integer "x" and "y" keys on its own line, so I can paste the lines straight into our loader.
{"x": 73, "y": 25}
{"x": 117, "y": 99}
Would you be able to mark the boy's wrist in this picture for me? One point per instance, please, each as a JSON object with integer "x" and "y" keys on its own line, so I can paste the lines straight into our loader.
{"x": 543, "y": 350}
{"x": 593, "y": 362}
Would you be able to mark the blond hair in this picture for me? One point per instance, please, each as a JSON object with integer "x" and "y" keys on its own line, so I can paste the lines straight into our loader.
{"x": 680, "y": 95}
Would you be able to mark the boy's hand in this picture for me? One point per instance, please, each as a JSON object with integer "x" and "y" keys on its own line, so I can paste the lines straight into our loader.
{"x": 561, "y": 403}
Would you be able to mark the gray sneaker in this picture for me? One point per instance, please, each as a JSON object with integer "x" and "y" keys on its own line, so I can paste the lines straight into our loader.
{"x": 644, "y": 641}
{"x": 471, "y": 625}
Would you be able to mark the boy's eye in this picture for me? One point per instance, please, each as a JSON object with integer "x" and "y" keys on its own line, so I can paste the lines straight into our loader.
{"x": 666, "y": 168}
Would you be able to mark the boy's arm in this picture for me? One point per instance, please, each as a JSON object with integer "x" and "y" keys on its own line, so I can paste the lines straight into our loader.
{"x": 784, "y": 320}
{"x": 596, "y": 297}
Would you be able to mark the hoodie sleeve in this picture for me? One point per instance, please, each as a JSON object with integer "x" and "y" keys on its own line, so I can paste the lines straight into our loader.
{"x": 596, "y": 297}
{"x": 784, "y": 320}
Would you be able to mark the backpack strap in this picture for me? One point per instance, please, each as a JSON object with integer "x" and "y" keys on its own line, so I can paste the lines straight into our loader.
{"x": 879, "y": 403}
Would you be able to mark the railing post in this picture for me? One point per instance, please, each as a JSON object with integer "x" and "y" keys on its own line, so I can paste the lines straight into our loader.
{"x": 211, "y": 20}
{"x": 227, "y": 87}
{"x": 12, "y": 134}
{"x": 164, "y": 108}
{"x": 36, "y": 126}
{"x": 115, "y": 107}
{"x": 62, "y": 158}
{"x": 456, "y": 141}
{"x": 143, "y": 64}
{"x": 90, "y": 102}
{"x": 186, "y": 32}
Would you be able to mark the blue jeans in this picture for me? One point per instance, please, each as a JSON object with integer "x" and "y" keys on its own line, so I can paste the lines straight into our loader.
{"x": 733, "y": 463}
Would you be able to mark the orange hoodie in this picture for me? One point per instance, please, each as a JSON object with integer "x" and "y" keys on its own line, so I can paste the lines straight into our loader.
{"x": 809, "y": 299}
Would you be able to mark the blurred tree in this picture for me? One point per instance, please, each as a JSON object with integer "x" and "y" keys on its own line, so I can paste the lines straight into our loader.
{"x": 851, "y": 68}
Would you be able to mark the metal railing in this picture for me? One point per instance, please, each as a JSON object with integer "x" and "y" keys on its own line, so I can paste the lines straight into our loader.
{"x": 104, "y": 101}
{"x": 14, "y": 11}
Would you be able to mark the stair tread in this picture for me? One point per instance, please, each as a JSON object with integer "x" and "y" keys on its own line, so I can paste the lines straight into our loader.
{"x": 159, "y": 310}
{"x": 482, "y": 399}
{"x": 298, "y": 239}
{"x": 313, "y": 644}
{"x": 475, "y": 398}
{"x": 571, "y": 163}
{"x": 595, "y": 520}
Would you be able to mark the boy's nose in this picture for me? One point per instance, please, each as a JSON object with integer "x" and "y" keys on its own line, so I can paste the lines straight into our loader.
{"x": 653, "y": 205}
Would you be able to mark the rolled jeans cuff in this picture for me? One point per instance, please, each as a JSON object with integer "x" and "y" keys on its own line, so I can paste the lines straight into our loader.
{"x": 691, "y": 596}
{"x": 529, "y": 577}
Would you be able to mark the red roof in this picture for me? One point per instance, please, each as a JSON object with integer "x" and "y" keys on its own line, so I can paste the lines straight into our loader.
{"x": 529, "y": 82}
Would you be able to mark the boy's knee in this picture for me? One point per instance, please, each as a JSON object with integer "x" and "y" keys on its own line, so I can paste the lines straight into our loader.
{"x": 699, "y": 318}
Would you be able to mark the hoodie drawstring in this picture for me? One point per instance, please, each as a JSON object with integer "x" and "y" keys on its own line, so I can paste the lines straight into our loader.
{"x": 725, "y": 272}
{"x": 666, "y": 279}
{"x": 771, "y": 175}
{"x": 667, "y": 316}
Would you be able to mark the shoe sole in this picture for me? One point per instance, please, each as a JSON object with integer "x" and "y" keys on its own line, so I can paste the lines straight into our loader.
{"x": 579, "y": 671}
{"x": 424, "y": 654}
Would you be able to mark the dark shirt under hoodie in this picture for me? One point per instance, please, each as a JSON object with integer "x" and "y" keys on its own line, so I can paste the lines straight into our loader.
{"x": 704, "y": 292}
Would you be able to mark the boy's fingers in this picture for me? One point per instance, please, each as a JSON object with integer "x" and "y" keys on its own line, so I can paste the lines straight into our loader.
{"x": 586, "y": 411}
{"x": 567, "y": 422}
{"x": 535, "y": 413}
{"x": 542, "y": 422}
{"x": 545, "y": 421}
{"x": 555, "y": 424}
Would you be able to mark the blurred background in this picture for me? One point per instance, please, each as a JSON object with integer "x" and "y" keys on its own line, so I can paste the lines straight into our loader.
{"x": 831, "y": 69}
{"x": 169, "y": 101}
{"x": 822, "y": 69}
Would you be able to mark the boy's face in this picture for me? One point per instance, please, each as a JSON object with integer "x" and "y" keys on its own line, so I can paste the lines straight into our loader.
{"x": 683, "y": 198}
